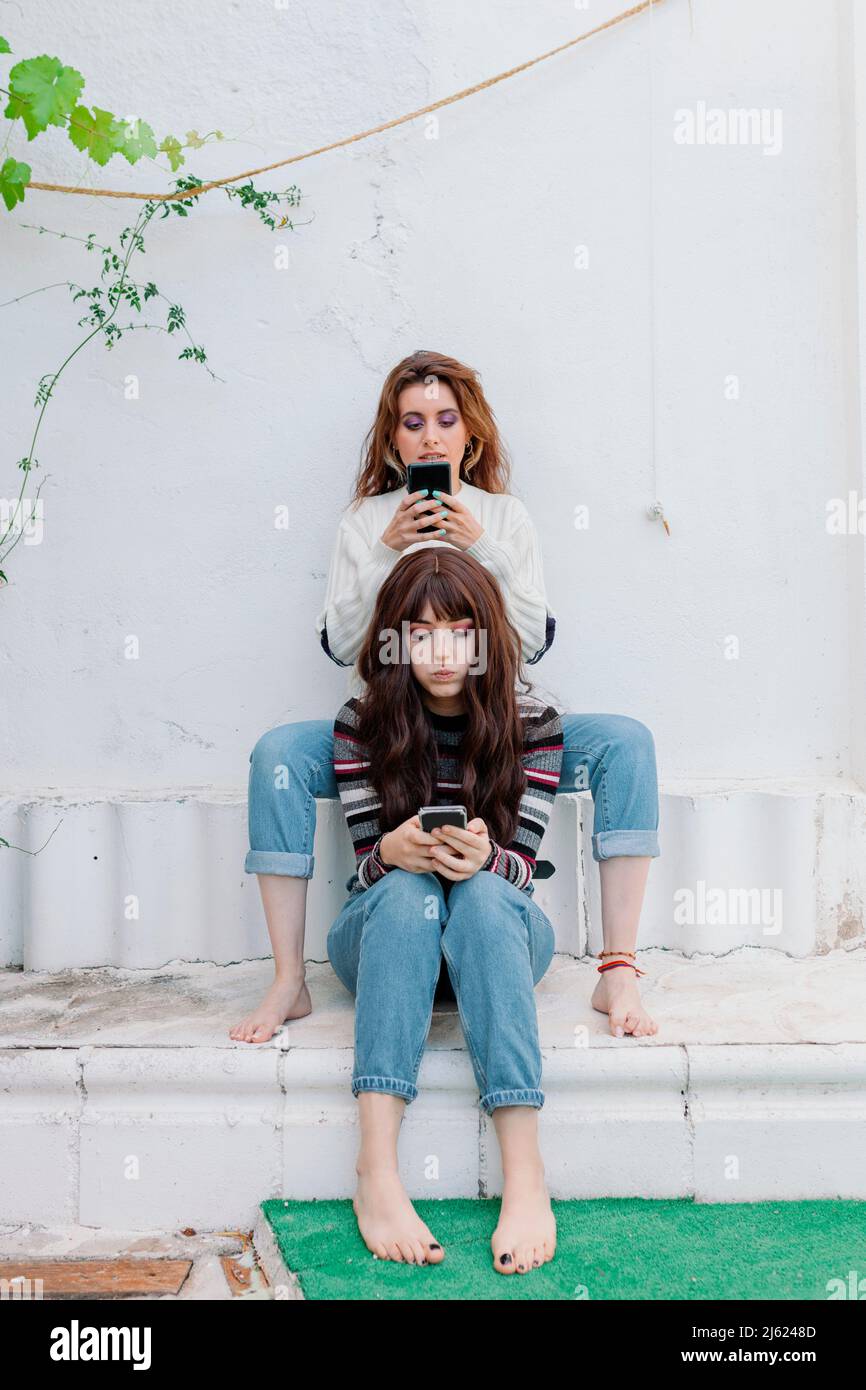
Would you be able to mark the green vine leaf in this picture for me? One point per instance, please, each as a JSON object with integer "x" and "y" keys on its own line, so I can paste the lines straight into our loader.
{"x": 174, "y": 149}
{"x": 131, "y": 295}
{"x": 99, "y": 134}
{"x": 138, "y": 141}
{"x": 4, "y": 45}
{"x": 42, "y": 92}
{"x": 14, "y": 178}
{"x": 43, "y": 393}
{"x": 102, "y": 302}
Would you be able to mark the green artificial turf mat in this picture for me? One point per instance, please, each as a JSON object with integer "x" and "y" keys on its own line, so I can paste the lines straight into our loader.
{"x": 611, "y": 1248}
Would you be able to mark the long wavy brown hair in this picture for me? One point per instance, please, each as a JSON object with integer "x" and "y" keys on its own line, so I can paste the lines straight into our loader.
{"x": 392, "y": 722}
{"x": 382, "y": 471}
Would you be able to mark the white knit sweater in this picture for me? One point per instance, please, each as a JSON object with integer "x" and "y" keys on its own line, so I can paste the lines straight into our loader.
{"x": 361, "y": 562}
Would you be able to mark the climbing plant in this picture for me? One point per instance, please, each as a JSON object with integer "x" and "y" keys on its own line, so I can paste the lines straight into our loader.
{"x": 43, "y": 93}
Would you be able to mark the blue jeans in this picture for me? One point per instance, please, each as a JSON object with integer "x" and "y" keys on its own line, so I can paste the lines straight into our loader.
{"x": 387, "y": 947}
{"x": 610, "y": 755}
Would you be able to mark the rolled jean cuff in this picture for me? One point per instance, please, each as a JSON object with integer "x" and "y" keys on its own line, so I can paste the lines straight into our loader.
{"x": 526, "y": 1096}
{"x": 392, "y": 1085}
{"x": 610, "y": 844}
{"x": 273, "y": 861}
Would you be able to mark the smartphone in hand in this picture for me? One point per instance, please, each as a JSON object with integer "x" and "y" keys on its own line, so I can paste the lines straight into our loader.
{"x": 434, "y": 476}
{"x": 431, "y": 816}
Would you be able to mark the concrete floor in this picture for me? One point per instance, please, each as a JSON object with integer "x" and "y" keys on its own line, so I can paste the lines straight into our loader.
{"x": 750, "y": 995}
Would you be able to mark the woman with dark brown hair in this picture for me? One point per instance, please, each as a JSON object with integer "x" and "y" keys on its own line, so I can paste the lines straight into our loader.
{"x": 441, "y": 722}
{"x": 433, "y": 406}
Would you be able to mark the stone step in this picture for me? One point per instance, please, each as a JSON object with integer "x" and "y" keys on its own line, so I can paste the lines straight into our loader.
{"x": 140, "y": 878}
{"x": 124, "y": 1103}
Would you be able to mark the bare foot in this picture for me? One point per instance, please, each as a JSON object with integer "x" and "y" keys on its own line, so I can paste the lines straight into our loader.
{"x": 286, "y": 999}
{"x": 617, "y": 995}
{"x": 526, "y": 1234}
{"x": 389, "y": 1224}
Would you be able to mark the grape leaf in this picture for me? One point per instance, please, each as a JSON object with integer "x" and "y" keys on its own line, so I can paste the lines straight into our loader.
{"x": 99, "y": 134}
{"x": 42, "y": 92}
{"x": 14, "y": 178}
{"x": 173, "y": 148}
{"x": 138, "y": 140}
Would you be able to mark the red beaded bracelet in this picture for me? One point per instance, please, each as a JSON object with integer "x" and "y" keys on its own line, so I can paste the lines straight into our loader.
{"x": 612, "y": 965}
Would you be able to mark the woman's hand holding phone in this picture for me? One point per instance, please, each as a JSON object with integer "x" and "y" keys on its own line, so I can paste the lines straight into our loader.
{"x": 413, "y": 513}
{"x": 472, "y": 845}
{"x": 408, "y": 847}
{"x": 460, "y": 526}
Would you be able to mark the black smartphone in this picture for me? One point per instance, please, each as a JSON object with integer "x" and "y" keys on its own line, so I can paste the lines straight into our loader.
{"x": 434, "y": 476}
{"x": 431, "y": 816}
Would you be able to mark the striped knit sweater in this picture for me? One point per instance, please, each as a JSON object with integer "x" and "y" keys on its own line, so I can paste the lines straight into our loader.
{"x": 542, "y": 758}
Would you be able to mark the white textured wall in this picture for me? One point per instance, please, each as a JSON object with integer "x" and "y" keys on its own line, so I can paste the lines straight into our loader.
{"x": 703, "y": 261}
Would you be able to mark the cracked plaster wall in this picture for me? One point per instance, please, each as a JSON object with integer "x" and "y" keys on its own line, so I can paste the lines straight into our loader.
{"x": 159, "y": 511}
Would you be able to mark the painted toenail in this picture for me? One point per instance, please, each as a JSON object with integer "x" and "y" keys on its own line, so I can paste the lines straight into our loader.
{"x": 434, "y": 1246}
{"x": 534, "y": 1263}
{"x": 505, "y": 1259}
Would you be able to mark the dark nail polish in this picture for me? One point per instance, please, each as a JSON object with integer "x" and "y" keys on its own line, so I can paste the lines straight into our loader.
{"x": 505, "y": 1259}
{"x": 521, "y": 1268}
{"x": 435, "y": 1246}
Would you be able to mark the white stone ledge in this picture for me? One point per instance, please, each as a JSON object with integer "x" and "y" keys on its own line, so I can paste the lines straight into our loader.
{"x": 654, "y": 1122}
{"x": 138, "y": 878}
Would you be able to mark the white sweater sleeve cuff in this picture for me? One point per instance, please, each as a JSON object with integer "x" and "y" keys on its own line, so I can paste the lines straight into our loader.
{"x": 493, "y": 556}
{"x": 382, "y": 556}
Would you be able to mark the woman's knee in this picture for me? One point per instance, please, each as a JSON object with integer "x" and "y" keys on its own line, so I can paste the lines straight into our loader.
{"x": 269, "y": 748}
{"x": 632, "y": 739}
{"x": 406, "y": 899}
{"x": 485, "y": 906}
{"x": 483, "y": 888}
{"x": 287, "y": 748}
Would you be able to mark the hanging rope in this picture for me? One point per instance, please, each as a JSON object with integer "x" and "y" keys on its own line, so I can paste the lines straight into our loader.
{"x": 349, "y": 139}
